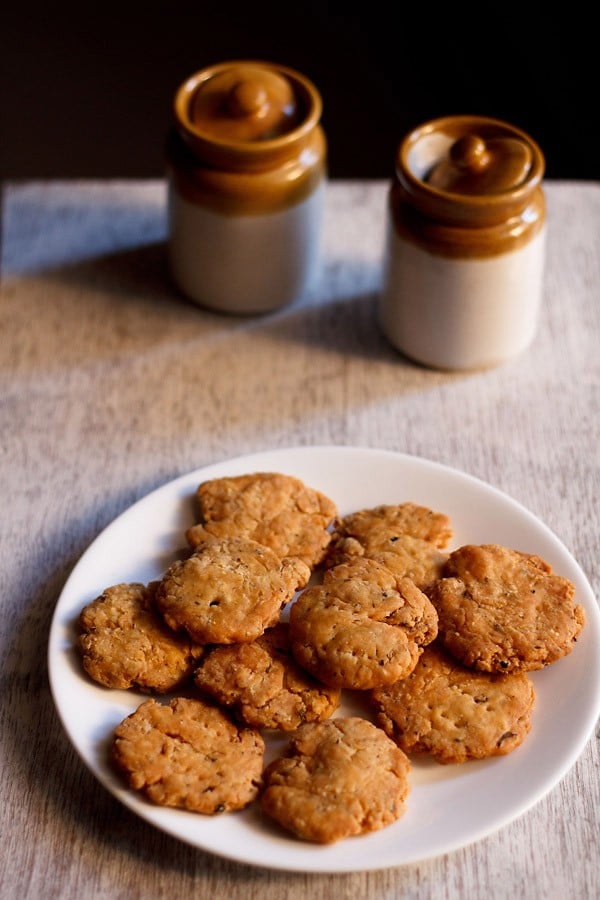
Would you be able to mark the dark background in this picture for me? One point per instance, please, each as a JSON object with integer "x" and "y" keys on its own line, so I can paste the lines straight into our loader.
{"x": 88, "y": 93}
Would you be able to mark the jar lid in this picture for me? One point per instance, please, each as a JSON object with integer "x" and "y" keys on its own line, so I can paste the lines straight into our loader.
{"x": 245, "y": 102}
{"x": 474, "y": 165}
{"x": 245, "y": 107}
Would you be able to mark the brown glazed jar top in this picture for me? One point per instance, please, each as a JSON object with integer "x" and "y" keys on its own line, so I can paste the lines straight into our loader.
{"x": 246, "y": 115}
{"x": 469, "y": 169}
{"x": 468, "y": 186}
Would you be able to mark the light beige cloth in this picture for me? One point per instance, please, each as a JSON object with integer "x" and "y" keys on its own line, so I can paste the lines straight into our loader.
{"x": 112, "y": 384}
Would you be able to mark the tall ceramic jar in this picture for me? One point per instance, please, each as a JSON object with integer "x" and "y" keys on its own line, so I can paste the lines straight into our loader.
{"x": 464, "y": 258}
{"x": 246, "y": 163}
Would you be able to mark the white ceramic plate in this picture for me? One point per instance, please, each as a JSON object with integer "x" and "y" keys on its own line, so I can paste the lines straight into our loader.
{"x": 448, "y": 806}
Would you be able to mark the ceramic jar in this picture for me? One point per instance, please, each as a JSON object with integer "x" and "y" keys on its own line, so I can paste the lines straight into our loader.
{"x": 246, "y": 164}
{"x": 464, "y": 256}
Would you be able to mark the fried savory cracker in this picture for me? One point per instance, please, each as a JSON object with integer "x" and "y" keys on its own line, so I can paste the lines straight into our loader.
{"x": 262, "y": 684}
{"x": 229, "y": 590}
{"x": 274, "y": 509}
{"x": 362, "y": 628}
{"x": 453, "y": 713}
{"x": 338, "y": 778}
{"x": 501, "y": 610}
{"x": 189, "y": 754}
{"x": 125, "y": 643}
{"x": 406, "y": 538}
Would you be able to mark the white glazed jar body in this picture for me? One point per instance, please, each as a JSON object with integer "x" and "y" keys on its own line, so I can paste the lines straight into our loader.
{"x": 453, "y": 313}
{"x": 245, "y": 264}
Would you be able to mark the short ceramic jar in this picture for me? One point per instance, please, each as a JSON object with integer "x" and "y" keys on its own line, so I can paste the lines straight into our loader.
{"x": 246, "y": 162}
{"x": 464, "y": 257}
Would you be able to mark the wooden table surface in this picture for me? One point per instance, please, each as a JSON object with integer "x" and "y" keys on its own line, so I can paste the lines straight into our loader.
{"x": 113, "y": 385}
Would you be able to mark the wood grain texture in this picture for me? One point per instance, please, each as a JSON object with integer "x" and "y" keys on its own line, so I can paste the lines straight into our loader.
{"x": 111, "y": 384}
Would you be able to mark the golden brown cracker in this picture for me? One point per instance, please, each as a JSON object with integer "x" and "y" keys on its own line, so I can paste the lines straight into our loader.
{"x": 453, "y": 713}
{"x": 263, "y": 685}
{"x": 189, "y": 754}
{"x": 407, "y": 538}
{"x": 228, "y": 591}
{"x": 125, "y": 643}
{"x": 275, "y": 509}
{"x": 501, "y": 610}
{"x": 362, "y": 627}
{"x": 338, "y": 778}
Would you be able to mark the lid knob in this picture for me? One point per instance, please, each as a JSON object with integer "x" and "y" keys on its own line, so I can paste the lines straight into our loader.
{"x": 469, "y": 153}
{"x": 248, "y": 98}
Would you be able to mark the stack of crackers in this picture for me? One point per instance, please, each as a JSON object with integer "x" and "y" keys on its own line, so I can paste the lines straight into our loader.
{"x": 278, "y": 607}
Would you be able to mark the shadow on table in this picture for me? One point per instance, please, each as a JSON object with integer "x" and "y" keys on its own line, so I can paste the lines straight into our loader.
{"x": 120, "y": 303}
